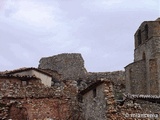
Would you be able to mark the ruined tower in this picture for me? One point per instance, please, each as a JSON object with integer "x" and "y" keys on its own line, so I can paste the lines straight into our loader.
{"x": 69, "y": 65}
{"x": 143, "y": 75}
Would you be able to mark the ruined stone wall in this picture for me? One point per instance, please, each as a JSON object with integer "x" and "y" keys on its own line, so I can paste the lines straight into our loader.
{"x": 94, "y": 107}
{"x": 14, "y": 88}
{"x": 129, "y": 109}
{"x": 117, "y": 77}
{"x": 149, "y": 107}
{"x": 70, "y": 66}
{"x": 36, "y": 101}
{"x": 136, "y": 110}
{"x": 101, "y": 106}
{"x": 39, "y": 109}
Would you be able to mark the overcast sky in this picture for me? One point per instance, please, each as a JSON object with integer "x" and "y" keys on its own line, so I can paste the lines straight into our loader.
{"x": 101, "y": 30}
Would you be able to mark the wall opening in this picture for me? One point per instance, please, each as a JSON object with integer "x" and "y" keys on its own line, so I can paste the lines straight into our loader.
{"x": 146, "y": 31}
{"x": 16, "y": 113}
{"x": 139, "y": 37}
{"x": 24, "y": 83}
{"x": 94, "y": 92}
{"x": 144, "y": 56}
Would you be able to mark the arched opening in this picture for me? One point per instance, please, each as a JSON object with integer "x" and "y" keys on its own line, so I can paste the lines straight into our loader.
{"x": 16, "y": 113}
{"x": 146, "y": 31}
{"x": 144, "y": 56}
{"x": 139, "y": 37}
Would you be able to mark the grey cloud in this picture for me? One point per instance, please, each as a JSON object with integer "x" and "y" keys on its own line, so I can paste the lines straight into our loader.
{"x": 104, "y": 36}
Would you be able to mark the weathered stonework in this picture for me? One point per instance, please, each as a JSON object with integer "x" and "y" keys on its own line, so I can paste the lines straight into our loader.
{"x": 25, "y": 97}
{"x": 39, "y": 109}
{"x": 70, "y": 66}
{"x": 35, "y": 101}
{"x": 105, "y": 107}
{"x": 136, "y": 78}
{"x": 117, "y": 77}
{"x": 98, "y": 101}
{"x": 143, "y": 75}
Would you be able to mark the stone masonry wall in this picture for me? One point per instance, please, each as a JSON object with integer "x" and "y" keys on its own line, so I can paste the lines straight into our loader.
{"x": 95, "y": 107}
{"x": 129, "y": 109}
{"x": 70, "y": 66}
{"x": 153, "y": 31}
{"x": 136, "y": 78}
{"x": 13, "y": 88}
{"x": 35, "y": 101}
{"x": 147, "y": 48}
{"x": 101, "y": 106}
{"x": 136, "y": 110}
{"x": 36, "y": 109}
{"x": 117, "y": 77}
{"x": 151, "y": 49}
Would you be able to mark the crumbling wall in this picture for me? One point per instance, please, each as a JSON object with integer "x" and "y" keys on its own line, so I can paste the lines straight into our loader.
{"x": 70, "y": 66}
{"x": 117, "y": 77}
{"x": 98, "y": 102}
{"x": 128, "y": 109}
{"x": 135, "y": 109}
{"x": 35, "y": 108}
{"x": 39, "y": 109}
{"x": 14, "y": 88}
{"x": 94, "y": 107}
{"x": 36, "y": 101}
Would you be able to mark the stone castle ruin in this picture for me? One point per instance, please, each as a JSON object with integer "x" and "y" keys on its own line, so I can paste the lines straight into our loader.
{"x": 70, "y": 66}
{"x": 62, "y": 89}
